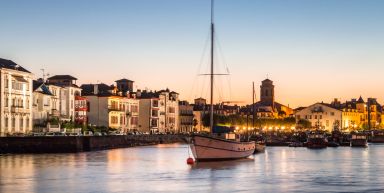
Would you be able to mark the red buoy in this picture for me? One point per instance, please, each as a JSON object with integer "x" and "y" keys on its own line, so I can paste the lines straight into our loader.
{"x": 190, "y": 161}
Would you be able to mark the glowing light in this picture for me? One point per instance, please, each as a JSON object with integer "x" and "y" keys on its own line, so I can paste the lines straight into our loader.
{"x": 270, "y": 128}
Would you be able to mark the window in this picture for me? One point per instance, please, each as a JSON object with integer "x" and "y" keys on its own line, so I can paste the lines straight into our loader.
{"x": 6, "y": 82}
{"x": 321, "y": 116}
{"x": 310, "y": 116}
{"x": 332, "y": 113}
{"x": 6, "y": 122}
{"x": 122, "y": 120}
{"x": 327, "y": 123}
{"x": 13, "y": 122}
{"x": 114, "y": 120}
{"x": 315, "y": 116}
{"x": 134, "y": 120}
{"x": 171, "y": 120}
{"x": 154, "y": 123}
{"x": 171, "y": 109}
{"x": 27, "y": 120}
{"x": 134, "y": 108}
{"x": 21, "y": 124}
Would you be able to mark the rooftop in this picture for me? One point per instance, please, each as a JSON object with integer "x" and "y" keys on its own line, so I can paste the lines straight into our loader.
{"x": 9, "y": 64}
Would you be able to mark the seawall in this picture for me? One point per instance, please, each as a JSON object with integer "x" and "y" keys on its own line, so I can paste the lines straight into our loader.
{"x": 73, "y": 144}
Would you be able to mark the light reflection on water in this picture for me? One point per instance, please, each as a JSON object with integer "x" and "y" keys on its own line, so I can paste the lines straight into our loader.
{"x": 163, "y": 168}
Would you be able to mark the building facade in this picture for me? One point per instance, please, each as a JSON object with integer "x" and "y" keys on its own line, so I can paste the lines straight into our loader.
{"x": 68, "y": 90}
{"x": 15, "y": 98}
{"x": 186, "y": 117}
{"x": 42, "y": 104}
{"x": 110, "y": 107}
{"x": 159, "y": 111}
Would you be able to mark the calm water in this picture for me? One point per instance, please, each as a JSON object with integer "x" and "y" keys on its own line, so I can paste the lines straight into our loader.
{"x": 163, "y": 168}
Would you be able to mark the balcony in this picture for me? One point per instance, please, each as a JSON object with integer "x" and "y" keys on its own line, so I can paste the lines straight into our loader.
{"x": 115, "y": 108}
{"x": 81, "y": 108}
{"x": 19, "y": 109}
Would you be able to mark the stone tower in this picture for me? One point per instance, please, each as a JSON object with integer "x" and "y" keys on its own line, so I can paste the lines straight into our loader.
{"x": 267, "y": 93}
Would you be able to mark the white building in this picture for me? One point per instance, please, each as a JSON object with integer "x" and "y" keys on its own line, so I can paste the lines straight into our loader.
{"x": 66, "y": 95}
{"x": 42, "y": 103}
{"x": 15, "y": 98}
{"x": 321, "y": 115}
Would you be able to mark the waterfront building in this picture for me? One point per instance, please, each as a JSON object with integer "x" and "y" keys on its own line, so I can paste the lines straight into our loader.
{"x": 267, "y": 107}
{"x": 321, "y": 115}
{"x": 187, "y": 121}
{"x": 81, "y": 108}
{"x": 42, "y": 104}
{"x": 15, "y": 98}
{"x": 68, "y": 90}
{"x": 159, "y": 111}
{"x": 351, "y": 115}
{"x": 110, "y": 107}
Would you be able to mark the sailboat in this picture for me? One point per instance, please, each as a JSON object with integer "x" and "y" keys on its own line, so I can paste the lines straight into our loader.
{"x": 214, "y": 147}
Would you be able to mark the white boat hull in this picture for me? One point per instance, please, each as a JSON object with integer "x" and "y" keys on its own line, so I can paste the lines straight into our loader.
{"x": 206, "y": 148}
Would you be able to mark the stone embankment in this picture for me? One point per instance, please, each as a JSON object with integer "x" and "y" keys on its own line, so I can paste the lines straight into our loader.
{"x": 73, "y": 144}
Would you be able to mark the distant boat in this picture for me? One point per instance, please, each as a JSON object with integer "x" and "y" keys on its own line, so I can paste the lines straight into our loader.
{"x": 214, "y": 147}
{"x": 316, "y": 140}
{"x": 359, "y": 140}
{"x": 377, "y": 137}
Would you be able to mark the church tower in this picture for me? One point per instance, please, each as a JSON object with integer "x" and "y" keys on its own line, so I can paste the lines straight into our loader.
{"x": 267, "y": 93}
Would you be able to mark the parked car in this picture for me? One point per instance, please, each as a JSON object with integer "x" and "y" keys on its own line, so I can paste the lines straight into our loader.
{"x": 88, "y": 133}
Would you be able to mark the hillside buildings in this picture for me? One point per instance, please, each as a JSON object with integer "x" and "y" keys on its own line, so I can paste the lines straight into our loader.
{"x": 15, "y": 98}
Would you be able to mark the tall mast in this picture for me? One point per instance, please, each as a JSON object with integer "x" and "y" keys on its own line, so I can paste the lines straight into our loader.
{"x": 212, "y": 70}
{"x": 253, "y": 105}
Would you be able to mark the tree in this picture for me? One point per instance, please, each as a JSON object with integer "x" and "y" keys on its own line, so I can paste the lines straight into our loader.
{"x": 303, "y": 123}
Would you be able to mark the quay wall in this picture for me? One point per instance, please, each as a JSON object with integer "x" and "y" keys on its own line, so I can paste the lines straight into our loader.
{"x": 73, "y": 144}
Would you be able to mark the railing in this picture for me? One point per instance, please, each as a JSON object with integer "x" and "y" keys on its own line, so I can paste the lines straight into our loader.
{"x": 19, "y": 109}
{"x": 115, "y": 108}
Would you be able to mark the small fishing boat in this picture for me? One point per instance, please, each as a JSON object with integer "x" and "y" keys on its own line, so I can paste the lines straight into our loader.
{"x": 359, "y": 140}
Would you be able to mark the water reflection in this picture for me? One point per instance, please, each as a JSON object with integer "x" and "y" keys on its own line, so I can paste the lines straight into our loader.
{"x": 222, "y": 165}
{"x": 163, "y": 168}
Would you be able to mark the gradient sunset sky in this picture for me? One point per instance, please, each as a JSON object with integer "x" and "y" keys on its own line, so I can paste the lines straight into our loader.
{"x": 313, "y": 50}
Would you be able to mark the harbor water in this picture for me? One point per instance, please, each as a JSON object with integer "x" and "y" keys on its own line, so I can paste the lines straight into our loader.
{"x": 163, "y": 168}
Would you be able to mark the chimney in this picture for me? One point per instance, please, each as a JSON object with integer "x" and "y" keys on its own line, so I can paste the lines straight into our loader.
{"x": 95, "y": 89}
{"x": 138, "y": 93}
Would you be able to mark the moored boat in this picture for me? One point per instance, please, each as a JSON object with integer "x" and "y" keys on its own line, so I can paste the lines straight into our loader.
{"x": 359, "y": 140}
{"x": 215, "y": 147}
{"x": 316, "y": 141}
{"x": 377, "y": 137}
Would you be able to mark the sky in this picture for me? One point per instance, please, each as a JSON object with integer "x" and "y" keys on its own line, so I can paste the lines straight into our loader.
{"x": 313, "y": 50}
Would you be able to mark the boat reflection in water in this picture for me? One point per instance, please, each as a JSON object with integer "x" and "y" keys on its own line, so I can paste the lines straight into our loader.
{"x": 223, "y": 165}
